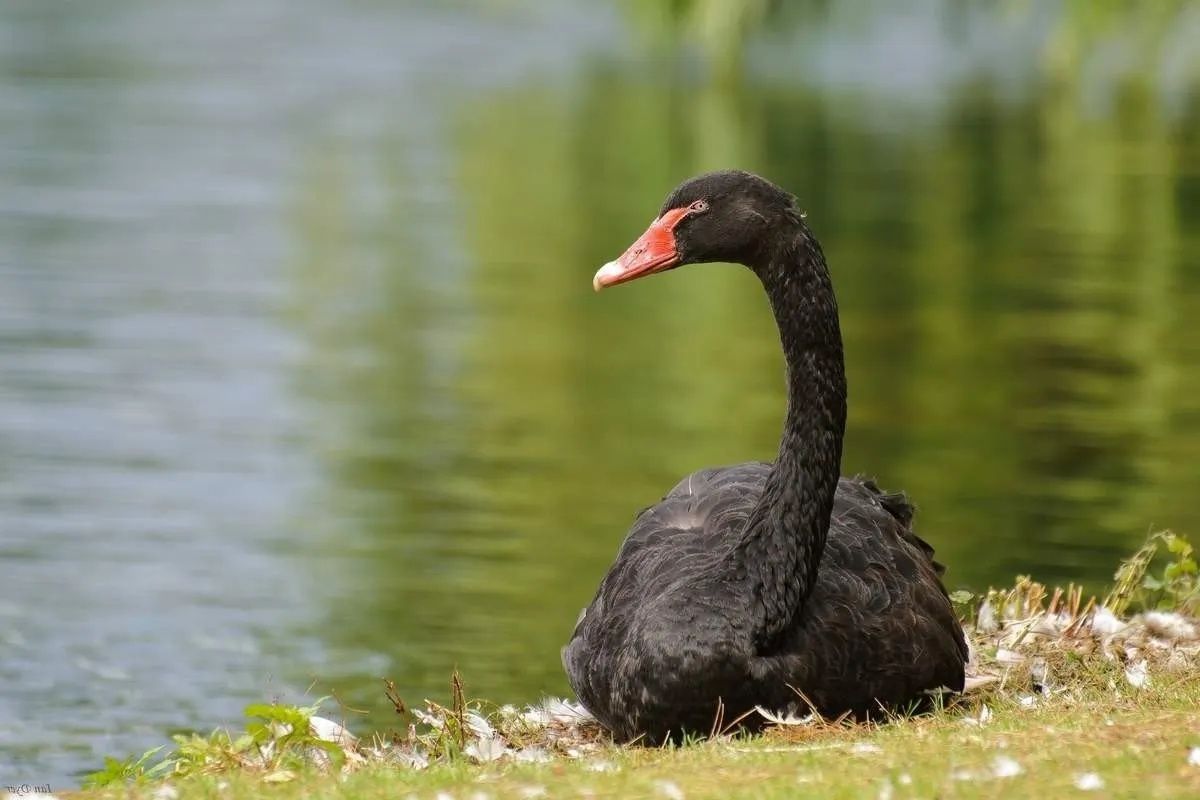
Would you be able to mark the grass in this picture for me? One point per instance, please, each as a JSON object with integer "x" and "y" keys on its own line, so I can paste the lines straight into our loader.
{"x": 1066, "y": 699}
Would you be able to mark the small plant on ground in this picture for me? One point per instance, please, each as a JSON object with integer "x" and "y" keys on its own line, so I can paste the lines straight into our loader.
{"x": 135, "y": 768}
{"x": 1175, "y": 587}
{"x": 277, "y": 740}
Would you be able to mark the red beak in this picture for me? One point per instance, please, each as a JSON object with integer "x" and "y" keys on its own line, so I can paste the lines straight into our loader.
{"x": 653, "y": 252}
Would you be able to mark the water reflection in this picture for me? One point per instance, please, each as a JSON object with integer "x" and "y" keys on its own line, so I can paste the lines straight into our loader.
{"x": 1012, "y": 286}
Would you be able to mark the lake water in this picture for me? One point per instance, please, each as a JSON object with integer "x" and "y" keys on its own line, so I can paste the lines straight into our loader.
{"x": 303, "y": 382}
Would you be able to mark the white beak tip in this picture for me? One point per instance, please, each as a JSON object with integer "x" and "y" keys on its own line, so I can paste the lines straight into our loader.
{"x": 603, "y": 275}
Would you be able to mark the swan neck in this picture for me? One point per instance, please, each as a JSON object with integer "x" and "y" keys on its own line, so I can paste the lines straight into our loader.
{"x": 781, "y": 545}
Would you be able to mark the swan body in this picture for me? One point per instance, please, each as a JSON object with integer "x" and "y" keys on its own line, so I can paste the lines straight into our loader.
{"x": 779, "y": 585}
{"x": 875, "y": 577}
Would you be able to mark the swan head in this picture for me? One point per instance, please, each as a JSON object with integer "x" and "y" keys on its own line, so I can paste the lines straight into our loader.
{"x": 729, "y": 216}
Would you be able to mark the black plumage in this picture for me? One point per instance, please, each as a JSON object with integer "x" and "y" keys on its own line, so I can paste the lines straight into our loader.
{"x": 776, "y": 585}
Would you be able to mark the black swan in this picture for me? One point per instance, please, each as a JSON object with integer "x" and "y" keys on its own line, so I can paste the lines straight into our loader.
{"x": 776, "y": 585}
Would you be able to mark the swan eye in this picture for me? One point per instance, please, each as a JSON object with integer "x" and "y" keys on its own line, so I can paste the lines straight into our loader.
{"x": 698, "y": 207}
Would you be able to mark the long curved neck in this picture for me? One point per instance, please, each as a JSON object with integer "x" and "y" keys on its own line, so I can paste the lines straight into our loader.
{"x": 779, "y": 550}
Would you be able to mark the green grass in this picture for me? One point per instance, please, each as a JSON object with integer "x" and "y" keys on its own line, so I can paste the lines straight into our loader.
{"x": 1137, "y": 742}
{"x": 1060, "y": 710}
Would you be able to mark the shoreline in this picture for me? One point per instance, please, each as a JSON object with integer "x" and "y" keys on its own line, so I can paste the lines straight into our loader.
{"x": 1053, "y": 680}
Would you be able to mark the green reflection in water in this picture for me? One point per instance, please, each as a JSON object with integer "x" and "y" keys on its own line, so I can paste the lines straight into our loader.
{"x": 1018, "y": 286}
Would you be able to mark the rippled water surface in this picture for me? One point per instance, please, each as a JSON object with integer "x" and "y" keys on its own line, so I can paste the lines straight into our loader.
{"x": 303, "y": 383}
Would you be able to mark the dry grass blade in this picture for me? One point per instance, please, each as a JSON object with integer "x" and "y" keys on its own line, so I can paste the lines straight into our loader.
{"x": 1131, "y": 573}
{"x": 393, "y": 695}
{"x": 718, "y": 719}
{"x": 458, "y": 702}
